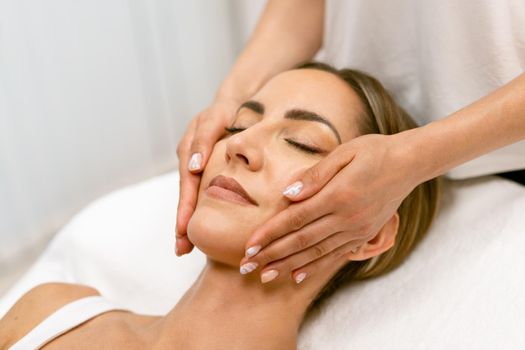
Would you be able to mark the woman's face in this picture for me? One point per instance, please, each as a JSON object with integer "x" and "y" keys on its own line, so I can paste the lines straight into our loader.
{"x": 290, "y": 124}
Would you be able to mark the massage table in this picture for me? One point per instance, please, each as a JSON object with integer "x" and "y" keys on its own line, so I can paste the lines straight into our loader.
{"x": 462, "y": 287}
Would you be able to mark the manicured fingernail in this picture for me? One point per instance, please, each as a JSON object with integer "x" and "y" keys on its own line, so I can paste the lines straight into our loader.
{"x": 300, "y": 277}
{"x": 253, "y": 250}
{"x": 248, "y": 267}
{"x": 176, "y": 250}
{"x": 294, "y": 189}
{"x": 269, "y": 275}
{"x": 195, "y": 161}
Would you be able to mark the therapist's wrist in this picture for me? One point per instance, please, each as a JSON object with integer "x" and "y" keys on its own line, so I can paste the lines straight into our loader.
{"x": 420, "y": 150}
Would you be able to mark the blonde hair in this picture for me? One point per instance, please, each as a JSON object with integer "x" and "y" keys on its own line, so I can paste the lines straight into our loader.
{"x": 382, "y": 115}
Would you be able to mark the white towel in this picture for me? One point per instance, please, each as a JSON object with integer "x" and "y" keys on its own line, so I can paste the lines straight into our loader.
{"x": 463, "y": 288}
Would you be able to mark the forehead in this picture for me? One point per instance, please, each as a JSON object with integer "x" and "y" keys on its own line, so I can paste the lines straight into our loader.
{"x": 317, "y": 91}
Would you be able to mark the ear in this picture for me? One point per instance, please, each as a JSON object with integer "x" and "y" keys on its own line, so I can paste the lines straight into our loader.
{"x": 381, "y": 242}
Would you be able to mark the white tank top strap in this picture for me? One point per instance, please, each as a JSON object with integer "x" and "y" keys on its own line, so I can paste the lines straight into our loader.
{"x": 64, "y": 319}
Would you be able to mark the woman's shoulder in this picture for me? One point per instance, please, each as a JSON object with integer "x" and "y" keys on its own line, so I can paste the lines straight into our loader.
{"x": 36, "y": 305}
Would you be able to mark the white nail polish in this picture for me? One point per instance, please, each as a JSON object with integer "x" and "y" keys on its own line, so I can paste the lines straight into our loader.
{"x": 253, "y": 250}
{"x": 269, "y": 275}
{"x": 195, "y": 161}
{"x": 294, "y": 189}
{"x": 247, "y": 268}
{"x": 300, "y": 277}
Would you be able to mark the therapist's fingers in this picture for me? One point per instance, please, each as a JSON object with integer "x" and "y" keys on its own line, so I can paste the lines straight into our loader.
{"x": 316, "y": 177}
{"x": 332, "y": 248}
{"x": 290, "y": 219}
{"x": 293, "y": 242}
{"x": 341, "y": 255}
{"x": 193, "y": 155}
{"x": 188, "y": 186}
{"x": 193, "y": 152}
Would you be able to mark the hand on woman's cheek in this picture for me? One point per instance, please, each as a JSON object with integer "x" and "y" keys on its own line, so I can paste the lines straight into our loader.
{"x": 220, "y": 229}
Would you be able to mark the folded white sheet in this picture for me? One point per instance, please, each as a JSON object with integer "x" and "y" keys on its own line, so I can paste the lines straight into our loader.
{"x": 463, "y": 288}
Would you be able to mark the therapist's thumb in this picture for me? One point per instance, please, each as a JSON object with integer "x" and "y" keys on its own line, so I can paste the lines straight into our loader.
{"x": 208, "y": 130}
{"x": 316, "y": 177}
{"x": 206, "y": 135}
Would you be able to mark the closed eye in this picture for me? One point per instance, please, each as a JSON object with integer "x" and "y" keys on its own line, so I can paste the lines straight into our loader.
{"x": 232, "y": 130}
{"x": 303, "y": 147}
{"x": 295, "y": 144}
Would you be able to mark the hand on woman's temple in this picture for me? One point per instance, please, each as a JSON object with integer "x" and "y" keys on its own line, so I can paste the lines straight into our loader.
{"x": 345, "y": 200}
{"x": 193, "y": 151}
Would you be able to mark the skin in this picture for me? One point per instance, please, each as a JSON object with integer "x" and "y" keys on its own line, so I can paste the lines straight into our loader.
{"x": 296, "y": 40}
{"x": 359, "y": 185}
{"x": 223, "y": 309}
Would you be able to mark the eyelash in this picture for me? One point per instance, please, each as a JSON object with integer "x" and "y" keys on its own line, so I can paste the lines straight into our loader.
{"x": 297, "y": 145}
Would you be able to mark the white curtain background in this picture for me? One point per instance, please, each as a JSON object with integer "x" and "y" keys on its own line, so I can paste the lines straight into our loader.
{"x": 95, "y": 95}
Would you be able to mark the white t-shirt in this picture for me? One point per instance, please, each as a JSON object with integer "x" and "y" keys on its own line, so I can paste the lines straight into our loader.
{"x": 434, "y": 56}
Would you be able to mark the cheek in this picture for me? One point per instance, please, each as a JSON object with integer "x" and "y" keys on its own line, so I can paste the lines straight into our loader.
{"x": 220, "y": 229}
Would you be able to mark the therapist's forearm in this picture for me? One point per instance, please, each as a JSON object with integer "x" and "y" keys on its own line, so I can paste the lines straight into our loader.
{"x": 288, "y": 32}
{"x": 492, "y": 122}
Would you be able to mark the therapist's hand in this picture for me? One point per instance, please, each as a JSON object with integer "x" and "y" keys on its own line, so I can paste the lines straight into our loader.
{"x": 345, "y": 200}
{"x": 193, "y": 151}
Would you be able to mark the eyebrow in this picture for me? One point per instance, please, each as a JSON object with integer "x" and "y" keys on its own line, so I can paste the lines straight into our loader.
{"x": 293, "y": 114}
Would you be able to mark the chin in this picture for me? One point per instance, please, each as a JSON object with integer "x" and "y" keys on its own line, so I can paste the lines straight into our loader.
{"x": 218, "y": 235}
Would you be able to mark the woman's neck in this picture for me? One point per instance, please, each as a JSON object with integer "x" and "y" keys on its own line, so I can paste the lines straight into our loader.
{"x": 226, "y": 310}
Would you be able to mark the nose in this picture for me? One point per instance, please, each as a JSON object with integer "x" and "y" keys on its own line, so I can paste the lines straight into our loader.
{"x": 243, "y": 149}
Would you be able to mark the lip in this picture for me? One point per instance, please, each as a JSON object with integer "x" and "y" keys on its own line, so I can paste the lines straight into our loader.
{"x": 222, "y": 187}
